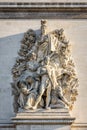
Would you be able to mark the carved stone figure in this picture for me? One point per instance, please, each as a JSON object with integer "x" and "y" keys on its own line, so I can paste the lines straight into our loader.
{"x": 45, "y": 85}
{"x": 44, "y": 74}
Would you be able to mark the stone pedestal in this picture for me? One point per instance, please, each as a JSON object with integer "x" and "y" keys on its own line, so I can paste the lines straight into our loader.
{"x": 43, "y": 120}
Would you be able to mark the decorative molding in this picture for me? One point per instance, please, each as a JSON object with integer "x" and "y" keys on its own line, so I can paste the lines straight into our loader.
{"x": 7, "y": 125}
{"x": 43, "y": 15}
{"x": 43, "y": 10}
{"x": 43, "y": 7}
{"x": 79, "y": 125}
{"x": 12, "y": 125}
{"x": 44, "y": 117}
{"x": 31, "y": 121}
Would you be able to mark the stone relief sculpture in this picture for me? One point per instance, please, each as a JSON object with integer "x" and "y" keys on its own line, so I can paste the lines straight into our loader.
{"x": 44, "y": 74}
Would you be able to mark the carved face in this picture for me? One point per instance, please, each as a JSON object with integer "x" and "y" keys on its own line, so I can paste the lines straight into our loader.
{"x": 31, "y": 36}
{"x": 34, "y": 56}
{"x": 31, "y": 56}
{"x": 24, "y": 90}
{"x": 43, "y": 30}
{"x": 29, "y": 80}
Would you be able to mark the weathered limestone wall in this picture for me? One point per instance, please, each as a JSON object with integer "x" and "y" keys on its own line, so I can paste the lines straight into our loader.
{"x": 11, "y": 33}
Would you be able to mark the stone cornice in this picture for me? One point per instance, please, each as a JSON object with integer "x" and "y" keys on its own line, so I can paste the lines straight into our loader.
{"x": 43, "y": 7}
{"x": 43, "y": 10}
{"x": 79, "y": 125}
{"x": 42, "y": 121}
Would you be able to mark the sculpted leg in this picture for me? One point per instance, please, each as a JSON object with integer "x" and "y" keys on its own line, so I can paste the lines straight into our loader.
{"x": 48, "y": 96}
{"x": 60, "y": 94}
{"x": 30, "y": 101}
{"x": 38, "y": 99}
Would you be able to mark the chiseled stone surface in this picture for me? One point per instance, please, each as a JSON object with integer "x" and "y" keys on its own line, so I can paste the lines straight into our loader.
{"x": 42, "y": 127}
{"x": 43, "y": 120}
{"x": 37, "y": 70}
{"x": 44, "y": 116}
{"x": 11, "y": 33}
{"x": 23, "y": 127}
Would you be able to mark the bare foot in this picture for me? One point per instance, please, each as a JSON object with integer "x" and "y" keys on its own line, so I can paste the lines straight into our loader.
{"x": 34, "y": 107}
{"x": 48, "y": 108}
{"x": 27, "y": 107}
